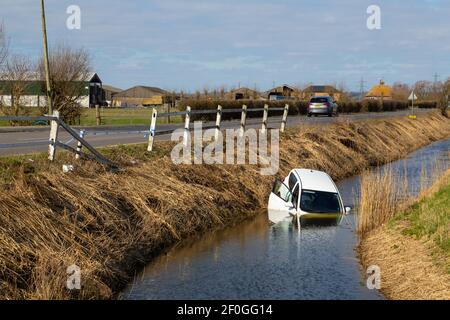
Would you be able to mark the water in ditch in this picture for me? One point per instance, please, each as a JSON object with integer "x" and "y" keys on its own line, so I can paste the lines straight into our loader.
{"x": 254, "y": 260}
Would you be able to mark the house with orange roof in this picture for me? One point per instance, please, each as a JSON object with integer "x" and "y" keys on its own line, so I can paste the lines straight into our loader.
{"x": 380, "y": 92}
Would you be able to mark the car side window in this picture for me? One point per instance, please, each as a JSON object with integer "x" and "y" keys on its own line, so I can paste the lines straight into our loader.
{"x": 282, "y": 191}
{"x": 295, "y": 195}
{"x": 292, "y": 181}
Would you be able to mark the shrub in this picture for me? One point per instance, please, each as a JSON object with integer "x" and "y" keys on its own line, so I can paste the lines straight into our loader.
{"x": 427, "y": 105}
{"x": 296, "y": 107}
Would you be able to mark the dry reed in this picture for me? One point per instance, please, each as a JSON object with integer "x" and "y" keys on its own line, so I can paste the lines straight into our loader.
{"x": 411, "y": 250}
{"x": 111, "y": 224}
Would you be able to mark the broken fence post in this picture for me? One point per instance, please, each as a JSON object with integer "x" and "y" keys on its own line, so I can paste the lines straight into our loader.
{"x": 265, "y": 116}
{"x": 80, "y": 145}
{"x": 243, "y": 120}
{"x": 54, "y": 126}
{"x": 284, "y": 120}
{"x": 187, "y": 120}
{"x": 218, "y": 120}
{"x": 151, "y": 135}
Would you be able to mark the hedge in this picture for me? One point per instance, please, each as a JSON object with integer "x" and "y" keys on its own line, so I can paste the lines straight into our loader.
{"x": 295, "y": 107}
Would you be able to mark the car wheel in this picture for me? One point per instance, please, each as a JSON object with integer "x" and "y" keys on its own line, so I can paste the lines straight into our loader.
{"x": 309, "y": 115}
{"x": 330, "y": 115}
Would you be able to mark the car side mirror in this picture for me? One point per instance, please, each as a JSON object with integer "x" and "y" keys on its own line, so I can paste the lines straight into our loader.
{"x": 348, "y": 210}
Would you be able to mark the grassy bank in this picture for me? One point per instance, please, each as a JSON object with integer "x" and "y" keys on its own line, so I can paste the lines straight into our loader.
{"x": 409, "y": 241}
{"x": 111, "y": 224}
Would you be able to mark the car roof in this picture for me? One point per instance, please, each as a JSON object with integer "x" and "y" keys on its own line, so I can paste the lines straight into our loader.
{"x": 321, "y": 97}
{"x": 315, "y": 180}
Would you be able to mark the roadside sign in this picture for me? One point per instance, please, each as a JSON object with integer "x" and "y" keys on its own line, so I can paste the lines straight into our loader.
{"x": 412, "y": 96}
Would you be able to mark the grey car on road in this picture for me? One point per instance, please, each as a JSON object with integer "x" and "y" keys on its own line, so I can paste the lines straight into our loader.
{"x": 322, "y": 106}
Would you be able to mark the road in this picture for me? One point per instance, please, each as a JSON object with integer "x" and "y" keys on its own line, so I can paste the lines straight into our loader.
{"x": 15, "y": 141}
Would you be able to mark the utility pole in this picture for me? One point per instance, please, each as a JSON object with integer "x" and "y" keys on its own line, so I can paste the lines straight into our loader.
{"x": 361, "y": 89}
{"x": 46, "y": 62}
{"x": 436, "y": 78}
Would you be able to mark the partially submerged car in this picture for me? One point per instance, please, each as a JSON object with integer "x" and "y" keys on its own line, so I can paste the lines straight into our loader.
{"x": 307, "y": 196}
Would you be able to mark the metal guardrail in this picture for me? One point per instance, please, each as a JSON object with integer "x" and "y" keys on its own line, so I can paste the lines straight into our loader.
{"x": 55, "y": 123}
{"x": 219, "y": 111}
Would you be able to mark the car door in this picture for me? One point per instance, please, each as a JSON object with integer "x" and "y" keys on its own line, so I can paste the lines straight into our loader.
{"x": 280, "y": 205}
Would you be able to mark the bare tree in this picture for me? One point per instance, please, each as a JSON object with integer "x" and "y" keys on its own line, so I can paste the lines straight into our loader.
{"x": 344, "y": 95}
{"x": 3, "y": 46}
{"x": 222, "y": 91}
{"x": 69, "y": 71}
{"x": 400, "y": 91}
{"x": 18, "y": 77}
{"x": 206, "y": 92}
{"x": 444, "y": 95}
{"x": 424, "y": 90}
{"x": 3, "y": 55}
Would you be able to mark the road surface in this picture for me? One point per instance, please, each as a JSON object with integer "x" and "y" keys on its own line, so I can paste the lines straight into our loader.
{"x": 15, "y": 141}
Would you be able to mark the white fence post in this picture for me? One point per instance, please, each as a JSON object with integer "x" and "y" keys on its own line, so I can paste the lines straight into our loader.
{"x": 265, "y": 116}
{"x": 243, "y": 120}
{"x": 151, "y": 135}
{"x": 218, "y": 120}
{"x": 79, "y": 145}
{"x": 187, "y": 135}
{"x": 54, "y": 125}
{"x": 284, "y": 120}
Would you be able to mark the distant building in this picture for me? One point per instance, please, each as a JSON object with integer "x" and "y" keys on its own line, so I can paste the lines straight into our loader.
{"x": 380, "y": 91}
{"x": 281, "y": 93}
{"x": 243, "y": 94}
{"x": 140, "y": 96}
{"x": 110, "y": 91}
{"x": 34, "y": 91}
{"x": 321, "y": 91}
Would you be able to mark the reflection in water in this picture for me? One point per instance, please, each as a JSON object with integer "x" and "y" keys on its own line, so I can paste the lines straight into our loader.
{"x": 256, "y": 261}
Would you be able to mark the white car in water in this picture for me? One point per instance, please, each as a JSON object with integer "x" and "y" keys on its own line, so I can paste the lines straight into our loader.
{"x": 307, "y": 196}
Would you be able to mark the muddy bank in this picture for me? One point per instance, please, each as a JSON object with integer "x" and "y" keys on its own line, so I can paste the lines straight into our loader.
{"x": 110, "y": 225}
{"x": 412, "y": 249}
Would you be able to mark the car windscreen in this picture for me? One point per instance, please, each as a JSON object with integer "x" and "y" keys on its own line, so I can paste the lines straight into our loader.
{"x": 319, "y": 202}
{"x": 319, "y": 100}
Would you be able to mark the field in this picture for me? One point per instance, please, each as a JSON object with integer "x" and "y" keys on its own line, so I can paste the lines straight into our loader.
{"x": 113, "y": 116}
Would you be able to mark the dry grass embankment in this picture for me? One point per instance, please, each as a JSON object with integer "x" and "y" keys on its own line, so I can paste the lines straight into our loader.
{"x": 111, "y": 224}
{"x": 409, "y": 240}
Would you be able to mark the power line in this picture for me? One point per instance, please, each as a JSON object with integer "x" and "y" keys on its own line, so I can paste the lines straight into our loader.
{"x": 361, "y": 88}
{"x": 436, "y": 77}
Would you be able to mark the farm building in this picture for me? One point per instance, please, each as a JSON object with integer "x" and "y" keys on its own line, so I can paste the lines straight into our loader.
{"x": 243, "y": 94}
{"x": 109, "y": 92}
{"x": 33, "y": 91}
{"x": 140, "y": 96}
{"x": 282, "y": 93}
{"x": 380, "y": 92}
{"x": 321, "y": 91}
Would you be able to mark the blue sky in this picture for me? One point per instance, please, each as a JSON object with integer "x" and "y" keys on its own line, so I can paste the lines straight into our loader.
{"x": 192, "y": 44}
